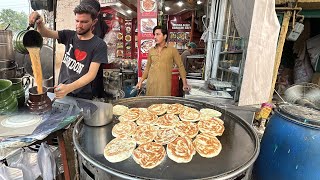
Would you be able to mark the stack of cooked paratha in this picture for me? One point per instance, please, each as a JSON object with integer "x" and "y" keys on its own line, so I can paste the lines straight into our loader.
{"x": 182, "y": 130}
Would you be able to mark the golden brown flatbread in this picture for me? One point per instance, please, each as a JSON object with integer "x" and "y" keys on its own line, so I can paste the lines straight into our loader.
{"x": 145, "y": 133}
{"x": 165, "y": 136}
{"x": 167, "y": 121}
{"x": 206, "y": 145}
{"x": 212, "y": 126}
{"x": 119, "y": 110}
{"x": 190, "y": 114}
{"x": 158, "y": 109}
{"x": 181, "y": 150}
{"x": 175, "y": 108}
{"x": 185, "y": 128}
{"x": 132, "y": 114}
{"x": 206, "y": 117}
{"x": 126, "y": 128}
{"x": 165, "y": 106}
{"x": 143, "y": 110}
{"x": 119, "y": 149}
{"x": 210, "y": 112}
{"x": 149, "y": 155}
{"x": 147, "y": 118}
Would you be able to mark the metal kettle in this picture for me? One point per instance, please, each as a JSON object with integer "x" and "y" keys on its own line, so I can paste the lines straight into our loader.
{"x": 27, "y": 38}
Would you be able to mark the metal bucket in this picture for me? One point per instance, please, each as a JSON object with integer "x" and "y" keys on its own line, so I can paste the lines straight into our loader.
{"x": 6, "y": 49}
{"x": 99, "y": 117}
{"x": 27, "y": 38}
{"x": 290, "y": 145}
{"x": 7, "y": 69}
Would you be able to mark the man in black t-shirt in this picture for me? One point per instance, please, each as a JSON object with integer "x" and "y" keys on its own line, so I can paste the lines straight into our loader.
{"x": 83, "y": 54}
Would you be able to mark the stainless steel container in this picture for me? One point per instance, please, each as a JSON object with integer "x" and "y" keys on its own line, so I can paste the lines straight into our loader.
{"x": 6, "y": 48}
{"x": 98, "y": 116}
{"x": 8, "y": 69}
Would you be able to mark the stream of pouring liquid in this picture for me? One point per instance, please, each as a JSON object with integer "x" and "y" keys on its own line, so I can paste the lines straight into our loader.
{"x": 34, "y": 53}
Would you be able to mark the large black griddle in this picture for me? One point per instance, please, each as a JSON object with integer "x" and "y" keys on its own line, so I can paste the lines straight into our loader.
{"x": 240, "y": 148}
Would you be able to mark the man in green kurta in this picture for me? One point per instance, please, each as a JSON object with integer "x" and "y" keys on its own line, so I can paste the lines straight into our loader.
{"x": 158, "y": 71}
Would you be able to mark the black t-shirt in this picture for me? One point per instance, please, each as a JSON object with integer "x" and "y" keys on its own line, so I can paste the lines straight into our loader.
{"x": 77, "y": 58}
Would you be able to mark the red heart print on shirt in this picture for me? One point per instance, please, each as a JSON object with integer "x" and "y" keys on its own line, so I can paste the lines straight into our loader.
{"x": 80, "y": 55}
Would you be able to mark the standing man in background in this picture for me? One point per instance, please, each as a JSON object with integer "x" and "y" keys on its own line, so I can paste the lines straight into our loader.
{"x": 188, "y": 52}
{"x": 191, "y": 50}
{"x": 159, "y": 66}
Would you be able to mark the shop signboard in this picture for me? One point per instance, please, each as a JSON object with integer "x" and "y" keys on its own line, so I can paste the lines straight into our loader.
{"x": 147, "y": 20}
{"x": 120, "y": 37}
{"x": 179, "y": 32}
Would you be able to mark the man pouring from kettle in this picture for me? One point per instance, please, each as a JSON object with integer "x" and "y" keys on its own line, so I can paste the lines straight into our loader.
{"x": 84, "y": 52}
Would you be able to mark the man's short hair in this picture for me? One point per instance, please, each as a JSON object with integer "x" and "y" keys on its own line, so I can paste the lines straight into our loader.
{"x": 164, "y": 31}
{"x": 86, "y": 9}
{"x": 93, "y": 3}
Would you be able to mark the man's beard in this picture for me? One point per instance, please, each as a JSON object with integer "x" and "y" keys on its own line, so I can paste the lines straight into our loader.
{"x": 84, "y": 32}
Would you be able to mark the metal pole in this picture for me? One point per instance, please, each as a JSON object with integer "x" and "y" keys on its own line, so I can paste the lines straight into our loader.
{"x": 210, "y": 40}
{"x": 217, "y": 47}
{"x": 217, "y": 5}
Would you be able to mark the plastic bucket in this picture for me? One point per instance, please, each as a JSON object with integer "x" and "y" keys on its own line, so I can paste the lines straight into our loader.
{"x": 127, "y": 91}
